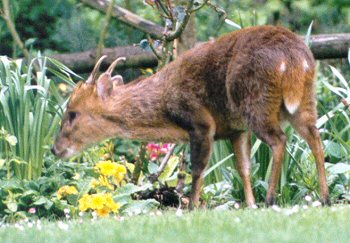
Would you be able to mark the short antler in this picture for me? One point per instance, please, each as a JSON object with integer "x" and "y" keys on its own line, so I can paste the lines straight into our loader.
{"x": 94, "y": 72}
{"x": 112, "y": 66}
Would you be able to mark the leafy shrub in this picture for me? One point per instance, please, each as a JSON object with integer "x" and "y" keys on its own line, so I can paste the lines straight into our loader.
{"x": 29, "y": 110}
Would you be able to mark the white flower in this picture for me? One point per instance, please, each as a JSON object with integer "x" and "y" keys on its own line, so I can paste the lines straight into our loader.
{"x": 179, "y": 212}
{"x": 254, "y": 206}
{"x": 308, "y": 198}
{"x": 62, "y": 225}
{"x": 276, "y": 208}
{"x": 316, "y": 204}
{"x": 137, "y": 211}
{"x": 12, "y": 140}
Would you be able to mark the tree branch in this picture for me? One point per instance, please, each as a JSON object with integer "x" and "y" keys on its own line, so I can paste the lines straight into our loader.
{"x": 181, "y": 26}
{"x": 11, "y": 26}
{"x": 323, "y": 47}
{"x": 127, "y": 17}
{"x": 104, "y": 30}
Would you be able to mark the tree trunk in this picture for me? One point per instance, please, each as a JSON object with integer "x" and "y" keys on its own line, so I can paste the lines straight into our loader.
{"x": 188, "y": 38}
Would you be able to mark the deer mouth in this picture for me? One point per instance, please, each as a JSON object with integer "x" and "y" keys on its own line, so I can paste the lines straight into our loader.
{"x": 65, "y": 153}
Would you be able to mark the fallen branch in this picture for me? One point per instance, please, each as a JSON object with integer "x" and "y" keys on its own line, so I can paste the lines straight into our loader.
{"x": 82, "y": 62}
{"x": 323, "y": 47}
{"x": 330, "y": 46}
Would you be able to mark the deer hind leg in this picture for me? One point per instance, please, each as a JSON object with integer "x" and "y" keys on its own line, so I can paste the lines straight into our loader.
{"x": 241, "y": 147}
{"x": 276, "y": 139}
{"x": 304, "y": 122}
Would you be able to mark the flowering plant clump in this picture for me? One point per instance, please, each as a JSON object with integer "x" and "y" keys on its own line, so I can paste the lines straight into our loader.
{"x": 65, "y": 191}
{"x": 110, "y": 173}
{"x": 156, "y": 150}
{"x": 101, "y": 203}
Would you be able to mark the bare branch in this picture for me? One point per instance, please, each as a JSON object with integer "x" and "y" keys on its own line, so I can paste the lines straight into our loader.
{"x": 200, "y": 6}
{"x": 181, "y": 26}
{"x": 12, "y": 28}
{"x": 154, "y": 177}
{"x": 129, "y": 18}
{"x": 104, "y": 30}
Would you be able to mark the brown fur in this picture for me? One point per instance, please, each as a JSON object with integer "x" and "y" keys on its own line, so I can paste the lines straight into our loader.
{"x": 249, "y": 80}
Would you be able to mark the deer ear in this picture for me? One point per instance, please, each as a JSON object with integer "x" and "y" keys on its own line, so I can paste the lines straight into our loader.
{"x": 104, "y": 85}
{"x": 117, "y": 80}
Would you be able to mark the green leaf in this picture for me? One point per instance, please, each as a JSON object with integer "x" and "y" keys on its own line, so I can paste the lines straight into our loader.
{"x": 30, "y": 42}
{"x": 169, "y": 168}
{"x": 173, "y": 180}
{"x": 40, "y": 201}
{"x": 230, "y": 22}
{"x": 334, "y": 149}
{"x": 141, "y": 206}
{"x": 2, "y": 163}
{"x": 84, "y": 186}
{"x": 339, "y": 168}
{"x": 130, "y": 188}
{"x": 152, "y": 167}
{"x": 308, "y": 35}
{"x": 12, "y": 205}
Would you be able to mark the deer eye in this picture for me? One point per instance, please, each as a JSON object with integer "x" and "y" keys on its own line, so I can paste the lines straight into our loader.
{"x": 71, "y": 116}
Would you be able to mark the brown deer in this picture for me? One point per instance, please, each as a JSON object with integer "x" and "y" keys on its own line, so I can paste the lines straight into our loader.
{"x": 253, "y": 79}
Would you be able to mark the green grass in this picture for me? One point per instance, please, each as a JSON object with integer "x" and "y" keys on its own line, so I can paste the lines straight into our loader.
{"x": 262, "y": 225}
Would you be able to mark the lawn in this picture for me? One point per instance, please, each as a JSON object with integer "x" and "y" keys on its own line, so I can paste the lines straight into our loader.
{"x": 261, "y": 225}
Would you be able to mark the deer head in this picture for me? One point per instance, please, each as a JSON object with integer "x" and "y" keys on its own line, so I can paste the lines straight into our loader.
{"x": 82, "y": 124}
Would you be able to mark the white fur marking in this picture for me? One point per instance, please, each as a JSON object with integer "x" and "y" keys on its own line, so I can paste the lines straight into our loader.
{"x": 292, "y": 108}
{"x": 283, "y": 67}
{"x": 70, "y": 152}
{"x": 244, "y": 150}
{"x": 306, "y": 65}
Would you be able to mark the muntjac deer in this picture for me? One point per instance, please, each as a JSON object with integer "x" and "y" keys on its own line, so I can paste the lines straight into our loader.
{"x": 253, "y": 79}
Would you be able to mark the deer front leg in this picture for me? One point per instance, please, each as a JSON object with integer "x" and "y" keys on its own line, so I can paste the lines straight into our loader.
{"x": 201, "y": 143}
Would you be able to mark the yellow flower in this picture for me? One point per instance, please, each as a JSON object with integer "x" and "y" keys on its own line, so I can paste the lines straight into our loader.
{"x": 102, "y": 181}
{"x": 97, "y": 201}
{"x": 65, "y": 191}
{"x": 106, "y": 168}
{"x": 103, "y": 212}
{"x": 84, "y": 202}
{"x": 102, "y": 203}
{"x": 121, "y": 171}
